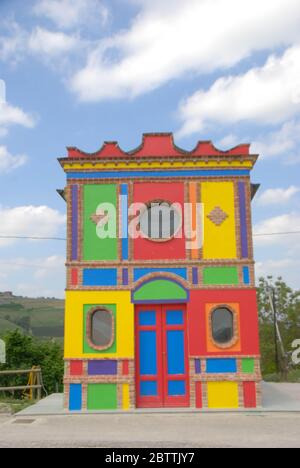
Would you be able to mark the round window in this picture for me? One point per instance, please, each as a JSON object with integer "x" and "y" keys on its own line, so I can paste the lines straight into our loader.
{"x": 160, "y": 221}
{"x": 222, "y": 325}
{"x": 102, "y": 328}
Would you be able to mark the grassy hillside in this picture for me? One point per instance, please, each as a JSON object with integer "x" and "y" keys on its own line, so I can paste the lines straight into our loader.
{"x": 42, "y": 318}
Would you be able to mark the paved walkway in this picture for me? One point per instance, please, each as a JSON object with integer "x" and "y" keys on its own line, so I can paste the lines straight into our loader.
{"x": 194, "y": 430}
{"x": 276, "y": 398}
{"x": 46, "y": 425}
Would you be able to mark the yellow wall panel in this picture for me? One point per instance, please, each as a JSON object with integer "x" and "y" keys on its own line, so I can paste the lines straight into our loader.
{"x": 219, "y": 241}
{"x": 75, "y": 301}
{"x": 125, "y": 397}
{"x": 223, "y": 395}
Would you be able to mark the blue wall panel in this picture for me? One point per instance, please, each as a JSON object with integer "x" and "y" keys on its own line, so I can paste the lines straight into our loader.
{"x": 221, "y": 366}
{"x": 100, "y": 277}
{"x": 246, "y": 275}
{"x": 75, "y": 402}
{"x": 140, "y": 272}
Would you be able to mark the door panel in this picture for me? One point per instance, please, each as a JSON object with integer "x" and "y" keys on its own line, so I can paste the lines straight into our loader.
{"x": 161, "y": 356}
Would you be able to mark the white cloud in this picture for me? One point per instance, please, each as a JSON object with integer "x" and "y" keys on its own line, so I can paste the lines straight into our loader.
{"x": 12, "y": 43}
{"x": 283, "y": 142}
{"x": 284, "y": 223}
{"x": 2, "y": 91}
{"x": 173, "y": 37}
{"x": 8, "y": 162}
{"x": 42, "y": 41}
{"x": 287, "y": 268}
{"x": 34, "y": 276}
{"x": 12, "y": 115}
{"x": 35, "y": 221}
{"x": 277, "y": 196}
{"x": 263, "y": 95}
{"x": 67, "y": 14}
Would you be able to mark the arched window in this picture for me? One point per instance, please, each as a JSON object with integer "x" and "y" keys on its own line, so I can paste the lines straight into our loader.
{"x": 222, "y": 322}
{"x": 100, "y": 328}
{"x": 160, "y": 221}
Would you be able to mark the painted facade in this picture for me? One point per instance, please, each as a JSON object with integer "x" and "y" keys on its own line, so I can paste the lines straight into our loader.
{"x": 179, "y": 321}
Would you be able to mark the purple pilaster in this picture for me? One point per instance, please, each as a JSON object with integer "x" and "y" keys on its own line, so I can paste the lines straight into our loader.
{"x": 197, "y": 366}
{"x": 243, "y": 220}
{"x": 104, "y": 367}
{"x": 74, "y": 222}
{"x": 195, "y": 275}
{"x": 125, "y": 278}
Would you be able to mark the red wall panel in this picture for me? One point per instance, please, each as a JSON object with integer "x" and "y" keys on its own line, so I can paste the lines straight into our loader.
{"x": 144, "y": 249}
{"x": 199, "y": 401}
{"x": 248, "y": 320}
{"x": 76, "y": 368}
{"x": 249, "y": 394}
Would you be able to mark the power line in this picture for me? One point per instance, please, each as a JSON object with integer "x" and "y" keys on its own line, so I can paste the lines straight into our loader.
{"x": 34, "y": 238}
{"x": 276, "y": 234}
{"x": 64, "y": 239}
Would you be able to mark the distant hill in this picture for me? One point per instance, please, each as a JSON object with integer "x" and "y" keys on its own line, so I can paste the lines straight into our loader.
{"x": 41, "y": 317}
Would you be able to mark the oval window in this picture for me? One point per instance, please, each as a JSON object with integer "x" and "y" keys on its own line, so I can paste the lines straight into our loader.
{"x": 222, "y": 325}
{"x": 160, "y": 221}
{"x": 102, "y": 328}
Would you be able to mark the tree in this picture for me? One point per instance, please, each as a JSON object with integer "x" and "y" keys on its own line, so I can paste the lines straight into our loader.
{"x": 23, "y": 352}
{"x": 287, "y": 304}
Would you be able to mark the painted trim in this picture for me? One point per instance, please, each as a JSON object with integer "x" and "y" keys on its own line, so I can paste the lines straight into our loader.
{"x": 158, "y": 174}
{"x": 243, "y": 220}
{"x": 157, "y": 165}
{"x": 89, "y": 318}
{"x": 74, "y": 249}
{"x": 236, "y": 328}
{"x": 160, "y": 301}
{"x": 124, "y": 221}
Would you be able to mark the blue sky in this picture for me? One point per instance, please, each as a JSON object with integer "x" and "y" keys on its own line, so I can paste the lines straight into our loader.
{"x": 78, "y": 72}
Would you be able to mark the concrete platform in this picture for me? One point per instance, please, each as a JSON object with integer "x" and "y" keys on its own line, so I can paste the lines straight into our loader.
{"x": 277, "y": 398}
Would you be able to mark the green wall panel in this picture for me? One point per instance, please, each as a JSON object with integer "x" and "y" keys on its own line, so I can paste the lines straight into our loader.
{"x": 220, "y": 275}
{"x": 248, "y": 366}
{"x": 160, "y": 290}
{"x": 86, "y": 348}
{"x": 95, "y": 248}
{"x": 102, "y": 396}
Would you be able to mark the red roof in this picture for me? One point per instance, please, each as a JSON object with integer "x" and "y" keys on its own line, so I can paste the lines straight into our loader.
{"x": 158, "y": 145}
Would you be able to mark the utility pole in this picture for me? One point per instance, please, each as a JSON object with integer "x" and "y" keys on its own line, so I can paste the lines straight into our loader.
{"x": 274, "y": 310}
{"x": 281, "y": 364}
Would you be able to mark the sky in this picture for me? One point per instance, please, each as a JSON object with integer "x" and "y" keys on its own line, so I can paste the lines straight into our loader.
{"x": 78, "y": 72}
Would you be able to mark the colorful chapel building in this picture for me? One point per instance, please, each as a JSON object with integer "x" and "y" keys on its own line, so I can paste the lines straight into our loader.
{"x": 153, "y": 320}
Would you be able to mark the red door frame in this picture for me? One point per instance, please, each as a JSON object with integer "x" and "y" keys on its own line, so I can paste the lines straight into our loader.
{"x": 162, "y": 399}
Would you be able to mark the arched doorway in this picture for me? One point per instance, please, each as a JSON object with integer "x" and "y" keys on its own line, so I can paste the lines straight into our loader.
{"x": 161, "y": 347}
